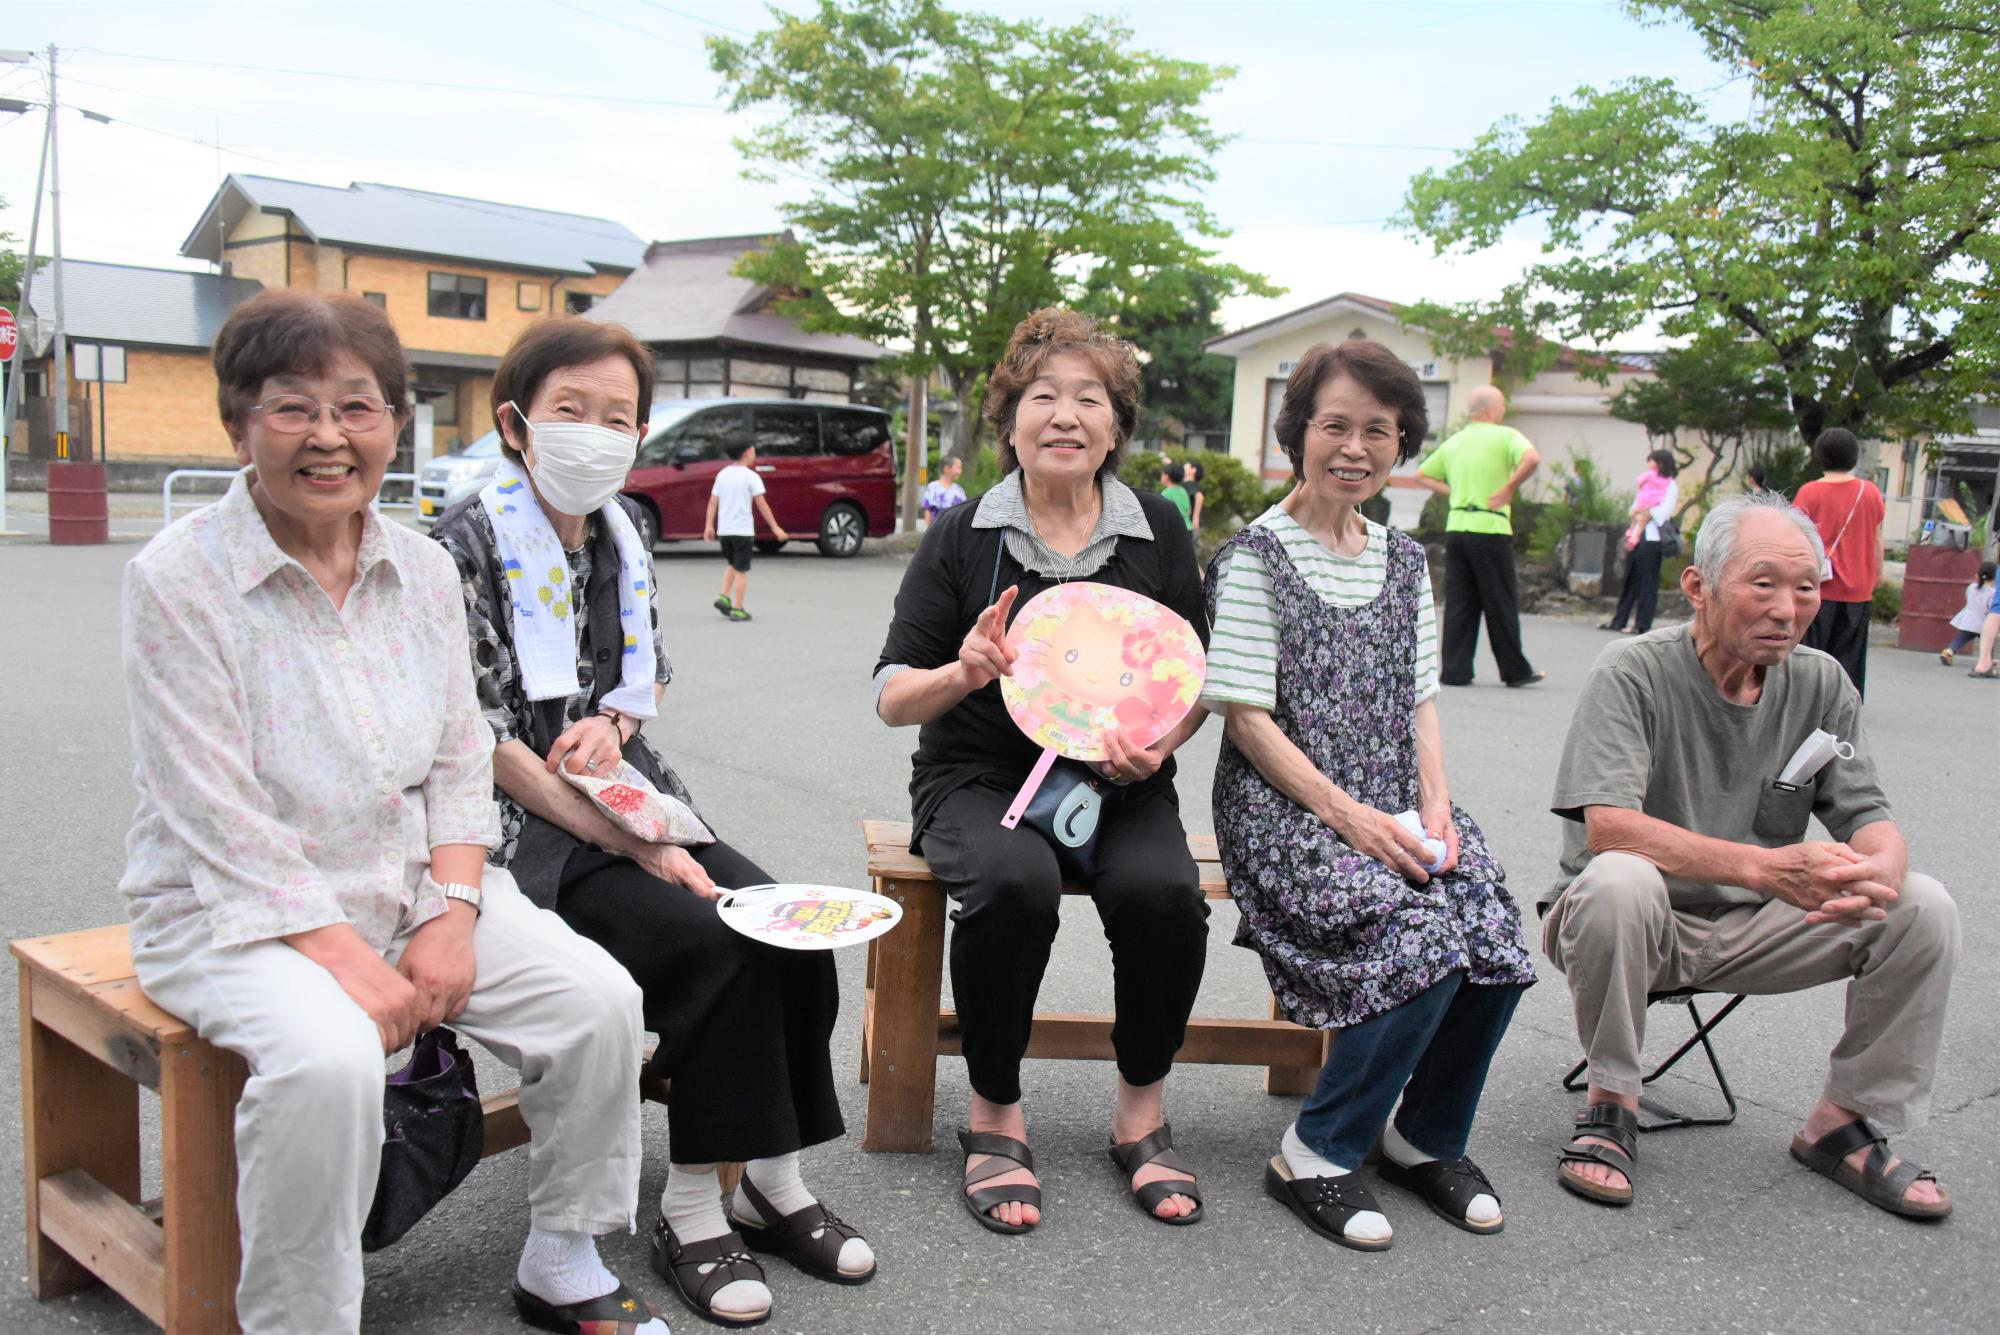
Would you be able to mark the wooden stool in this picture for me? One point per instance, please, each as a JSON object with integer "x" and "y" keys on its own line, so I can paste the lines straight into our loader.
{"x": 904, "y": 1030}
{"x": 89, "y": 1039}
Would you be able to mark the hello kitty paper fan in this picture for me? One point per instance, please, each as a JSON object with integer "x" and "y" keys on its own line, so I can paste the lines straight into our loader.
{"x": 1091, "y": 656}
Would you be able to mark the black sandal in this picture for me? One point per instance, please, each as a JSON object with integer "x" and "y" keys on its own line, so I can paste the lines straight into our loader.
{"x": 619, "y": 1312}
{"x": 1158, "y": 1148}
{"x": 1324, "y": 1204}
{"x": 728, "y": 1259}
{"x": 1874, "y": 1182}
{"x": 810, "y": 1238}
{"x": 1447, "y": 1186}
{"x": 1005, "y": 1155}
{"x": 1602, "y": 1121}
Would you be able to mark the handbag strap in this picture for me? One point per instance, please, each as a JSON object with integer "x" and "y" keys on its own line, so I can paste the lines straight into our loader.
{"x": 1858, "y": 485}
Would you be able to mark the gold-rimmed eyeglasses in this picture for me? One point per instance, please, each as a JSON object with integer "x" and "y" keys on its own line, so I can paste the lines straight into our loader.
{"x": 295, "y": 414}
{"x": 1339, "y": 430}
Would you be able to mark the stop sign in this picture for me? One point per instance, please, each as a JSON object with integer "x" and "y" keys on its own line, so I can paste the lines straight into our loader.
{"x": 10, "y": 335}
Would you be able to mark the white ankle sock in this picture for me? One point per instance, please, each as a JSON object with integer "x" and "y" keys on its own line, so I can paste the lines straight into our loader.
{"x": 1304, "y": 1161}
{"x": 779, "y": 1181}
{"x": 692, "y": 1205}
{"x": 563, "y": 1268}
{"x": 1484, "y": 1209}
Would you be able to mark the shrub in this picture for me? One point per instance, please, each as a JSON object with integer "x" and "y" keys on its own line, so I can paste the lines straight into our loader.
{"x": 1232, "y": 495}
{"x": 1887, "y": 604}
{"x": 1584, "y": 496}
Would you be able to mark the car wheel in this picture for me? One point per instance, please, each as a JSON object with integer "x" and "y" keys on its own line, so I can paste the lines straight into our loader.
{"x": 770, "y": 546}
{"x": 841, "y": 530}
{"x": 649, "y": 526}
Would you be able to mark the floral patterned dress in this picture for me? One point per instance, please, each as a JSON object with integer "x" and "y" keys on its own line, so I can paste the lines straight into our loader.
{"x": 1344, "y": 937}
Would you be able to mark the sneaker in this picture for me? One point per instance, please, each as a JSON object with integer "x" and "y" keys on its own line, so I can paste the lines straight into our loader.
{"x": 722, "y": 604}
{"x": 737, "y": 614}
{"x": 1945, "y": 656}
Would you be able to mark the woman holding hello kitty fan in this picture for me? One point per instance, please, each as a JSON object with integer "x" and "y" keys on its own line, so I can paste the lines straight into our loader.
{"x": 1375, "y": 903}
{"x": 1063, "y": 401}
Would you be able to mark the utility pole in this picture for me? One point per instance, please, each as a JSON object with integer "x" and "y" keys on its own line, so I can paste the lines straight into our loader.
{"x": 10, "y": 402}
{"x": 61, "y": 347}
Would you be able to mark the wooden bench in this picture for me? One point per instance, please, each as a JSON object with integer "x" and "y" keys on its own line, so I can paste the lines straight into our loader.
{"x": 89, "y": 1039}
{"x": 904, "y": 1030}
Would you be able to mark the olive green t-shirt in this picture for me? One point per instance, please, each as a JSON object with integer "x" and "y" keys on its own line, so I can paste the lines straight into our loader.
{"x": 1651, "y": 733}
{"x": 1476, "y": 462}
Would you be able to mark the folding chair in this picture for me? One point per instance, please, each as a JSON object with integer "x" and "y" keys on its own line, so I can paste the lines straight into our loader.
{"x": 1669, "y": 1119}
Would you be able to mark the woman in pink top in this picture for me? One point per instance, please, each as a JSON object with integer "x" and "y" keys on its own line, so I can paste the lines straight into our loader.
{"x": 1848, "y": 512}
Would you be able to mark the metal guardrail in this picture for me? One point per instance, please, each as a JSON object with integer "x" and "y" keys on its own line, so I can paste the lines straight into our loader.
{"x": 225, "y": 474}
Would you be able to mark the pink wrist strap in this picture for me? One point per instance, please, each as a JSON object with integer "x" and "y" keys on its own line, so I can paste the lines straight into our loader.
{"x": 1030, "y": 788}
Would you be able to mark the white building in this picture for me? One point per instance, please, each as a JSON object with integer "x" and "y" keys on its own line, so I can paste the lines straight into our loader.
{"x": 1562, "y": 412}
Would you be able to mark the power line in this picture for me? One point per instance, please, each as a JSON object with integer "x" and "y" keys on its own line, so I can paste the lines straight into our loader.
{"x": 617, "y": 23}
{"x": 695, "y": 18}
{"x": 415, "y": 83}
{"x": 265, "y": 120}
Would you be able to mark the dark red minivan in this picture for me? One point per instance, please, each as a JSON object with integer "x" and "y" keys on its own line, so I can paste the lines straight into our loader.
{"x": 829, "y": 469}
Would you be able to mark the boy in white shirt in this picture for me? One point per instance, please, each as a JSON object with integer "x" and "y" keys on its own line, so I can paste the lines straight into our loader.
{"x": 736, "y": 489}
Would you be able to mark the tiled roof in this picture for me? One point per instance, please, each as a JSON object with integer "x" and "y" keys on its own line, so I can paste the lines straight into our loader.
{"x": 417, "y": 222}
{"x": 688, "y": 292}
{"x": 120, "y": 303}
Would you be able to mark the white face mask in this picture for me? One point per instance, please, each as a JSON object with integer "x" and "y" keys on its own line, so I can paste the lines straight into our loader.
{"x": 578, "y": 466}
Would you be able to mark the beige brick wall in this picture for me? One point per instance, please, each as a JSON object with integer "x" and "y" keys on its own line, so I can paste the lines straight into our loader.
{"x": 406, "y": 285}
{"x": 164, "y": 410}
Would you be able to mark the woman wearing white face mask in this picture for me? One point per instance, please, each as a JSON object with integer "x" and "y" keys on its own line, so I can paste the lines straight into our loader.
{"x": 568, "y": 661}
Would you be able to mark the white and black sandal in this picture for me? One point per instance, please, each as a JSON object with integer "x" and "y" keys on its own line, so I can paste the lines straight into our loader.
{"x": 1448, "y": 1186}
{"x": 1324, "y": 1204}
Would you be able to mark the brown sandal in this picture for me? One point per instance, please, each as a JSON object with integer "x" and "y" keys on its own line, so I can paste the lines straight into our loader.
{"x": 1158, "y": 1148}
{"x": 810, "y": 1238}
{"x": 700, "y": 1270}
{"x": 1602, "y": 1121}
{"x": 1875, "y": 1181}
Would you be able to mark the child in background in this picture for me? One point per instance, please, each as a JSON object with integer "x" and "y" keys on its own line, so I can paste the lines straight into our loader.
{"x": 1652, "y": 488}
{"x": 1972, "y": 616}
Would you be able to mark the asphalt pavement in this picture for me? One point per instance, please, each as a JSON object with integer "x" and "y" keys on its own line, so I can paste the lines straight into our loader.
{"x": 769, "y": 721}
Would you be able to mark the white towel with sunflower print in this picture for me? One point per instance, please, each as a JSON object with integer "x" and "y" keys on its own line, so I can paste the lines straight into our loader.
{"x": 544, "y": 612}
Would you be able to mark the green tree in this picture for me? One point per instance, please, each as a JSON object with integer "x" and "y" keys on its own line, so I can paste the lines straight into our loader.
{"x": 967, "y": 169}
{"x": 1708, "y": 403}
{"x": 1845, "y": 226}
{"x": 1170, "y": 315}
{"x": 11, "y": 265}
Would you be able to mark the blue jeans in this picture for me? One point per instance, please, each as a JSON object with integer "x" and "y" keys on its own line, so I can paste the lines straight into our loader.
{"x": 1433, "y": 1050}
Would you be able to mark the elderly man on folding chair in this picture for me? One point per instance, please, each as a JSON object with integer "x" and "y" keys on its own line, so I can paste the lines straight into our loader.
{"x": 1693, "y": 761}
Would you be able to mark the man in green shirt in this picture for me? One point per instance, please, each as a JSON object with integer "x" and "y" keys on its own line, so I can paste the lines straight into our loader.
{"x": 1172, "y": 479}
{"x": 1479, "y": 469}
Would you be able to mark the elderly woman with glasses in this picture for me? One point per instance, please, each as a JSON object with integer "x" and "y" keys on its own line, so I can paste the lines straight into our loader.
{"x": 1376, "y": 905}
{"x": 307, "y": 868}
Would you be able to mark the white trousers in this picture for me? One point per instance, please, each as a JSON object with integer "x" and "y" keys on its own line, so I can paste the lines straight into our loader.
{"x": 550, "y": 1004}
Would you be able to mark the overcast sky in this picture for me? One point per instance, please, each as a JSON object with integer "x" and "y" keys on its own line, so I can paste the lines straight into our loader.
{"x": 1335, "y": 107}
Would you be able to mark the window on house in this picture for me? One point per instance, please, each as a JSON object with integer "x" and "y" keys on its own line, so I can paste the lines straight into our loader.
{"x": 98, "y": 362}
{"x": 1276, "y": 462}
{"x": 579, "y": 302}
{"x": 1437, "y": 402}
{"x": 1909, "y": 478}
{"x": 457, "y": 296}
{"x": 377, "y": 299}
{"x": 527, "y": 296}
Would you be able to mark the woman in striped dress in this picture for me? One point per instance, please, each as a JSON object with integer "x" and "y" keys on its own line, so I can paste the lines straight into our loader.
{"x": 1324, "y": 661}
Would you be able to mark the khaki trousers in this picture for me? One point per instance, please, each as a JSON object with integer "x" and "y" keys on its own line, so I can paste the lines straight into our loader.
{"x": 1615, "y": 937}
{"x": 550, "y": 1004}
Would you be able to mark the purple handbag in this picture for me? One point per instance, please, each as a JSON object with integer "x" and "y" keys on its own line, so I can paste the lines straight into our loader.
{"x": 434, "y": 1132}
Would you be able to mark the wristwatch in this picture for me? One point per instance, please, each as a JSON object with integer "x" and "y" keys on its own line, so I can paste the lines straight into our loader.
{"x": 469, "y": 894}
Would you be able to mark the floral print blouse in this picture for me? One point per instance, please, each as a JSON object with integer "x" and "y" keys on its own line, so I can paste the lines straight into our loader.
{"x": 296, "y": 762}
